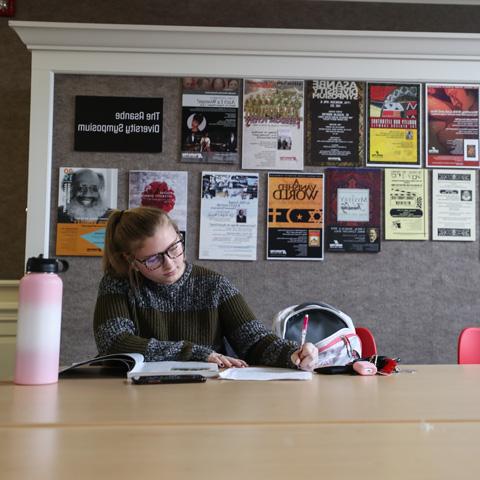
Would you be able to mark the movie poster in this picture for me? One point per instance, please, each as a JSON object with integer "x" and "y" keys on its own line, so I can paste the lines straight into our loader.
{"x": 210, "y": 120}
{"x": 161, "y": 189}
{"x": 295, "y": 216}
{"x": 86, "y": 197}
{"x": 393, "y": 124}
{"x": 334, "y": 120}
{"x": 353, "y": 214}
{"x": 229, "y": 216}
{"x": 452, "y": 125}
{"x": 273, "y": 124}
{"x": 406, "y": 204}
{"x": 453, "y": 205}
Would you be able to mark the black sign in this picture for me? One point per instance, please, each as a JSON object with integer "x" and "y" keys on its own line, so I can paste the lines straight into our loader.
{"x": 118, "y": 124}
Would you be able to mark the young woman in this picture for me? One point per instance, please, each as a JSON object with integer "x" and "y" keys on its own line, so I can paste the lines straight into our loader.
{"x": 152, "y": 301}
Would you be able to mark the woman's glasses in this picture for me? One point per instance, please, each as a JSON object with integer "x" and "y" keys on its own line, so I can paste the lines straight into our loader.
{"x": 156, "y": 261}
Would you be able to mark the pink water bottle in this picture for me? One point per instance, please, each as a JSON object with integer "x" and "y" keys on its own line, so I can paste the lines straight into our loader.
{"x": 39, "y": 322}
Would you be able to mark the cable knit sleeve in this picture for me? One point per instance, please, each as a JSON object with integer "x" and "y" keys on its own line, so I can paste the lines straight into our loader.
{"x": 249, "y": 337}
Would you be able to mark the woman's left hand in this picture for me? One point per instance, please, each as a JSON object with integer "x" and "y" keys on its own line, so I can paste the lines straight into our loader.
{"x": 305, "y": 357}
{"x": 224, "y": 361}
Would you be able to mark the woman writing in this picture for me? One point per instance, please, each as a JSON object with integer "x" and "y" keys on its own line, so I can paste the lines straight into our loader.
{"x": 152, "y": 301}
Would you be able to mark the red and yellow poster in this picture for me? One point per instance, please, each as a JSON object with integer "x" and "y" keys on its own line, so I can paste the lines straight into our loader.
{"x": 295, "y": 216}
{"x": 393, "y": 124}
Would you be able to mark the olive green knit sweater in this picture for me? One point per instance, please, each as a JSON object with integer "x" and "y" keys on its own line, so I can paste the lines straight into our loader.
{"x": 187, "y": 320}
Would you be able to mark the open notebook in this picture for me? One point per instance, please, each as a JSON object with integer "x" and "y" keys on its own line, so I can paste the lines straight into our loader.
{"x": 135, "y": 366}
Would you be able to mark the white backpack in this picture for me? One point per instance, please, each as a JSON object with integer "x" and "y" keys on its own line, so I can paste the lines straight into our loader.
{"x": 330, "y": 329}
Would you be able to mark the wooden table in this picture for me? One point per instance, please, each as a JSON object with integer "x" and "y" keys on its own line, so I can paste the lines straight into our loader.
{"x": 423, "y": 425}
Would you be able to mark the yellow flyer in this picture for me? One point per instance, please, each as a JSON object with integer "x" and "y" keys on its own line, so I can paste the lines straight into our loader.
{"x": 393, "y": 127}
{"x": 295, "y": 216}
{"x": 406, "y": 204}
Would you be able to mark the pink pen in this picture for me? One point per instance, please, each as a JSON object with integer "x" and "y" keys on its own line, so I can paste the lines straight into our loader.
{"x": 304, "y": 330}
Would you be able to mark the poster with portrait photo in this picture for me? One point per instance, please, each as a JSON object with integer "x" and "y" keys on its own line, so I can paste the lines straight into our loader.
{"x": 210, "y": 120}
{"x": 353, "y": 210}
{"x": 273, "y": 124}
{"x": 334, "y": 123}
{"x": 86, "y": 197}
{"x": 453, "y": 205}
{"x": 452, "y": 125}
{"x": 406, "y": 204}
{"x": 393, "y": 126}
{"x": 295, "y": 216}
{"x": 160, "y": 189}
{"x": 228, "y": 216}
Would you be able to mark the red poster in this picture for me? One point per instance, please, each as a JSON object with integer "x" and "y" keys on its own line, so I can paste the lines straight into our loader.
{"x": 353, "y": 213}
{"x": 452, "y": 126}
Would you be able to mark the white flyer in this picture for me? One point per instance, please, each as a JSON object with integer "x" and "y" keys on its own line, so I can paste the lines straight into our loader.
{"x": 229, "y": 216}
{"x": 453, "y": 205}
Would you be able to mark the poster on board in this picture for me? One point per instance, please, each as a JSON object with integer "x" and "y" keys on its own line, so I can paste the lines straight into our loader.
{"x": 228, "y": 216}
{"x": 334, "y": 122}
{"x": 406, "y": 204}
{"x": 393, "y": 134}
{"x": 453, "y": 205}
{"x": 353, "y": 214}
{"x": 452, "y": 126}
{"x": 210, "y": 120}
{"x": 86, "y": 197}
{"x": 295, "y": 216}
{"x": 160, "y": 189}
{"x": 273, "y": 124}
{"x": 118, "y": 124}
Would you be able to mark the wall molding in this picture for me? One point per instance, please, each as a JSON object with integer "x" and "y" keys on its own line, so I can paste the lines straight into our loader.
{"x": 57, "y": 36}
{"x": 104, "y": 49}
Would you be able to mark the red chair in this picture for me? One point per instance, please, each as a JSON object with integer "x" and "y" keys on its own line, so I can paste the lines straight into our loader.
{"x": 469, "y": 345}
{"x": 369, "y": 347}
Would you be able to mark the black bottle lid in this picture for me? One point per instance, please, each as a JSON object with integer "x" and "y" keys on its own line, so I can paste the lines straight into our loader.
{"x": 46, "y": 265}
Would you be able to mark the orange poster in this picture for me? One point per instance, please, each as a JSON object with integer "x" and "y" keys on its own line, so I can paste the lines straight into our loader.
{"x": 295, "y": 216}
{"x": 86, "y": 196}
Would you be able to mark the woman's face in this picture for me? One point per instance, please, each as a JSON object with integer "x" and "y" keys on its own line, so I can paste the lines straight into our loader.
{"x": 172, "y": 268}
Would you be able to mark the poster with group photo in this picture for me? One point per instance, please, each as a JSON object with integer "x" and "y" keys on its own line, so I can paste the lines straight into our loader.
{"x": 453, "y": 205}
{"x": 160, "y": 189}
{"x": 86, "y": 197}
{"x": 334, "y": 123}
{"x": 353, "y": 215}
{"x": 295, "y": 216}
{"x": 406, "y": 204}
{"x": 452, "y": 129}
{"x": 210, "y": 120}
{"x": 273, "y": 124}
{"x": 228, "y": 216}
{"x": 393, "y": 124}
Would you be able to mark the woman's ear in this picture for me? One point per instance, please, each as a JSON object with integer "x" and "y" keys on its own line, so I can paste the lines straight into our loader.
{"x": 130, "y": 259}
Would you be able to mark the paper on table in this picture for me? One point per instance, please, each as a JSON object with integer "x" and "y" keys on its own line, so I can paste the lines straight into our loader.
{"x": 264, "y": 373}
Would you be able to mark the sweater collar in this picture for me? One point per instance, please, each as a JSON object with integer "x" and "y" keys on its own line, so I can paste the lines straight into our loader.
{"x": 172, "y": 287}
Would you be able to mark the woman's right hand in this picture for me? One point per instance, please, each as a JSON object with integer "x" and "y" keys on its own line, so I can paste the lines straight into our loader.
{"x": 224, "y": 361}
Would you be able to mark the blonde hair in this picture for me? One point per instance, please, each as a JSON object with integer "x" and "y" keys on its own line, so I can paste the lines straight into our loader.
{"x": 126, "y": 231}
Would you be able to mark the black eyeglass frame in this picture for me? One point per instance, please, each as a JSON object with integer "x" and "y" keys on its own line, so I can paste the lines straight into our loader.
{"x": 163, "y": 254}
